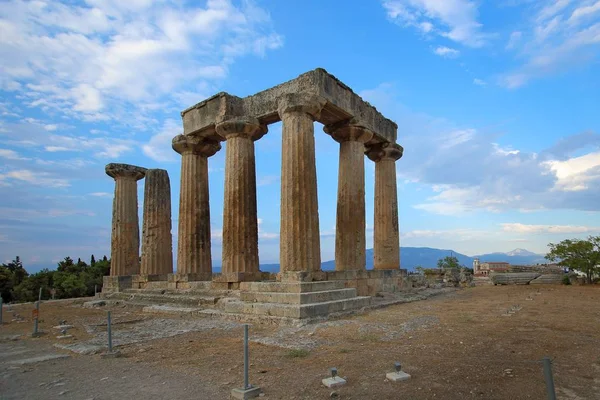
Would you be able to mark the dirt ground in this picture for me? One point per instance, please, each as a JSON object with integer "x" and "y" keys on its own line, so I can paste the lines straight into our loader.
{"x": 456, "y": 346}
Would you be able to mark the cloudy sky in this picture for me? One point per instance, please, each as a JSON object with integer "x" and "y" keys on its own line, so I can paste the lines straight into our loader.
{"x": 496, "y": 104}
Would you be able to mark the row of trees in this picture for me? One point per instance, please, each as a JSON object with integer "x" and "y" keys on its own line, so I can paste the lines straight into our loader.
{"x": 70, "y": 279}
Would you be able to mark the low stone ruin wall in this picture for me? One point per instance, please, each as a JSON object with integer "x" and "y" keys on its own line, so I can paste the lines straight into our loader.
{"x": 525, "y": 278}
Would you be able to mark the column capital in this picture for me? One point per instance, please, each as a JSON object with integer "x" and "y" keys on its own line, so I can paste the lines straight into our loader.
{"x": 310, "y": 104}
{"x": 348, "y": 131}
{"x": 195, "y": 145}
{"x": 115, "y": 171}
{"x": 241, "y": 127}
{"x": 385, "y": 151}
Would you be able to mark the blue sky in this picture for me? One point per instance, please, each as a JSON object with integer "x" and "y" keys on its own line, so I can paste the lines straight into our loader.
{"x": 496, "y": 104}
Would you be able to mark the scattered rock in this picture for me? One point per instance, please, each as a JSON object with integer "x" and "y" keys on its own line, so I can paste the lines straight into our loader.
{"x": 334, "y": 395}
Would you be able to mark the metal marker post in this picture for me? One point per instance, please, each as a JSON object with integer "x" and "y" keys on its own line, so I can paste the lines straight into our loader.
{"x": 95, "y": 290}
{"x": 40, "y": 295}
{"x": 246, "y": 384}
{"x": 548, "y": 377}
{"x": 36, "y": 317}
{"x": 109, "y": 334}
{"x": 1, "y": 320}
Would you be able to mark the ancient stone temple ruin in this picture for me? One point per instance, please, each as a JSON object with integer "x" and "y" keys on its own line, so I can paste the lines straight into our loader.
{"x": 301, "y": 289}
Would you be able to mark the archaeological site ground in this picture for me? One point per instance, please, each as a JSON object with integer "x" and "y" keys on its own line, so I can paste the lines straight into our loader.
{"x": 459, "y": 344}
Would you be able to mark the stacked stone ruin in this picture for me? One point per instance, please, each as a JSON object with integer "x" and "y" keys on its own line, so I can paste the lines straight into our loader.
{"x": 314, "y": 96}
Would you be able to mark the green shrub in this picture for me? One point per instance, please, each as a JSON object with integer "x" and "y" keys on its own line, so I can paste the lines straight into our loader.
{"x": 566, "y": 280}
{"x": 297, "y": 353}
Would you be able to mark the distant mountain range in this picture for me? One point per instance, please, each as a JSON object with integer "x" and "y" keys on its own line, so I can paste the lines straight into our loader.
{"x": 410, "y": 257}
{"x": 427, "y": 257}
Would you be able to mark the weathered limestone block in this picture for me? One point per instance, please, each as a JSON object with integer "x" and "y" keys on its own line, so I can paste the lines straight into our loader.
{"x": 386, "y": 244}
{"x": 157, "y": 242}
{"x": 300, "y": 240}
{"x": 116, "y": 283}
{"x": 125, "y": 238}
{"x": 548, "y": 279}
{"x": 193, "y": 246}
{"x": 350, "y": 240}
{"x": 513, "y": 278}
{"x": 240, "y": 221}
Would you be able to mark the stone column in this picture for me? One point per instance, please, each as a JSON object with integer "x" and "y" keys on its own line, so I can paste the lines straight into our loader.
{"x": 350, "y": 217}
{"x": 193, "y": 246}
{"x": 125, "y": 238}
{"x": 240, "y": 223}
{"x": 386, "y": 243}
{"x": 157, "y": 242}
{"x": 300, "y": 241}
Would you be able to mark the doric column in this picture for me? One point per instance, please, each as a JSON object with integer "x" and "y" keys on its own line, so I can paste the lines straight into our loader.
{"x": 157, "y": 242}
{"x": 386, "y": 243}
{"x": 125, "y": 238}
{"x": 240, "y": 224}
{"x": 300, "y": 241}
{"x": 193, "y": 245}
{"x": 350, "y": 217}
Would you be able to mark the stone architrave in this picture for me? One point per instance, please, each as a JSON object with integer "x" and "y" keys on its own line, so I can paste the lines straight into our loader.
{"x": 240, "y": 223}
{"x": 350, "y": 241}
{"x": 300, "y": 241}
{"x": 125, "y": 237}
{"x": 386, "y": 242}
{"x": 193, "y": 245}
{"x": 157, "y": 242}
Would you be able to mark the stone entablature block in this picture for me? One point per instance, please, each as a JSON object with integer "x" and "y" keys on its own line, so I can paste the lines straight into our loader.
{"x": 340, "y": 103}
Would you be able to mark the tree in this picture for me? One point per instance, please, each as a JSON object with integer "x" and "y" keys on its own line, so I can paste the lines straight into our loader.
{"x": 6, "y": 284}
{"x": 448, "y": 262}
{"x": 17, "y": 271}
{"x": 579, "y": 255}
{"x": 92, "y": 261}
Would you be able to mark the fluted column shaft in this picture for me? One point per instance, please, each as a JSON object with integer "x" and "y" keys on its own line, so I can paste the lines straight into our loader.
{"x": 350, "y": 240}
{"x": 240, "y": 222}
{"x": 386, "y": 242}
{"x": 157, "y": 242}
{"x": 193, "y": 245}
{"x": 300, "y": 241}
{"x": 125, "y": 237}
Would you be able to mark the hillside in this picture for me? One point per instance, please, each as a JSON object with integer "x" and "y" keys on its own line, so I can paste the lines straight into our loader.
{"x": 427, "y": 257}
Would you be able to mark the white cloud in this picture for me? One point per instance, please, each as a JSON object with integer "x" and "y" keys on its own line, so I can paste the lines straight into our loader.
{"x": 584, "y": 12}
{"x": 453, "y": 19}
{"x": 563, "y": 36}
{"x": 36, "y": 178}
{"x": 267, "y": 180}
{"x": 479, "y": 82}
{"x": 53, "y": 149}
{"x": 577, "y": 173}
{"x": 514, "y": 39}
{"x": 101, "y": 194}
{"x": 559, "y": 229}
{"x": 85, "y": 58}
{"x": 87, "y": 98}
{"x": 159, "y": 146}
{"x": 468, "y": 171}
{"x": 30, "y": 135}
{"x": 459, "y": 234}
{"x": 11, "y": 155}
{"x": 444, "y": 51}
